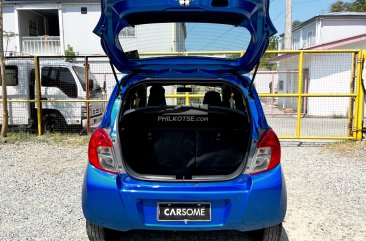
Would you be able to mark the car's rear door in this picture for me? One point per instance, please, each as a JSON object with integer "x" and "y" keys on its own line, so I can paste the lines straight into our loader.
{"x": 124, "y": 22}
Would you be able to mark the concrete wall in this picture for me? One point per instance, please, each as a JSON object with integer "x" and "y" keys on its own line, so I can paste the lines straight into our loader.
{"x": 288, "y": 78}
{"x": 329, "y": 73}
{"x": 339, "y": 29}
{"x": 78, "y": 28}
{"x": 10, "y": 26}
{"x": 150, "y": 38}
{"x": 356, "y": 45}
{"x": 296, "y": 40}
{"x": 263, "y": 79}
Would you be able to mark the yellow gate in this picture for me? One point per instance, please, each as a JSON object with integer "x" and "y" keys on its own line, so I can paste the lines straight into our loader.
{"x": 340, "y": 108}
{"x": 306, "y": 94}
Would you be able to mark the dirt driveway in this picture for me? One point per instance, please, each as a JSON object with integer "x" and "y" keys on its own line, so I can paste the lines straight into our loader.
{"x": 40, "y": 193}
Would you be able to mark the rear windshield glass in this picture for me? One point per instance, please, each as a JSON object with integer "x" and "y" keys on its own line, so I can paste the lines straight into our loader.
{"x": 165, "y": 39}
{"x": 196, "y": 95}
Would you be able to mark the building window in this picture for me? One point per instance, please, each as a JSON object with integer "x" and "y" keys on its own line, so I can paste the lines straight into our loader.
{"x": 295, "y": 43}
{"x": 280, "y": 85}
{"x": 84, "y": 10}
{"x": 128, "y": 32}
{"x": 11, "y": 76}
{"x": 310, "y": 39}
{"x": 32, "y": 28}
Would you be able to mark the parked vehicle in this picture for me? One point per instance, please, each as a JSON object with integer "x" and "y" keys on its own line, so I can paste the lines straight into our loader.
{"x": 60, "y": 80}
{"x": 210, "y": 165}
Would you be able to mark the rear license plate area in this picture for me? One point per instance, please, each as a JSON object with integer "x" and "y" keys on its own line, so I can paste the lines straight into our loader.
{"x": 179, "y": 211}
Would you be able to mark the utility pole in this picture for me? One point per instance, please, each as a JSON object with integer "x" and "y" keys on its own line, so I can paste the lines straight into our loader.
{"x": 4, "y": 126}
{"x": 288, "y": 25}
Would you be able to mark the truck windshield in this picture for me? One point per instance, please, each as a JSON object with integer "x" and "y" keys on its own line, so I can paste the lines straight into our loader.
{"x": 80, "y": 72}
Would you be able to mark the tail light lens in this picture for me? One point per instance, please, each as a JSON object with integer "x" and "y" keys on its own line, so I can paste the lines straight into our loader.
{"x": 100, "y": 151}
{"x": 268, "y": 153}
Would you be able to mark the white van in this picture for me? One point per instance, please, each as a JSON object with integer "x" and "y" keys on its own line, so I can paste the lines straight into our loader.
{"x": 60, "y": 80}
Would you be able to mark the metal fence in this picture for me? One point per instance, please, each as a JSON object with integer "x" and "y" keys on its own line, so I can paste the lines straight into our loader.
{"x": 318, "y": 94}
{"x": 305, "y": 94}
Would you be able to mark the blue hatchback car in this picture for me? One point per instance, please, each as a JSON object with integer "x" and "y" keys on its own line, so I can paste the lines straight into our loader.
{"x": 160, "y": 161}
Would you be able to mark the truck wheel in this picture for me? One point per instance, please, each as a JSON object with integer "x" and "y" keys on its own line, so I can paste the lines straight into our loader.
{"x": 53, "y": 123}
{"x": 272, "y": 233}
{"x": 95, "y": 232}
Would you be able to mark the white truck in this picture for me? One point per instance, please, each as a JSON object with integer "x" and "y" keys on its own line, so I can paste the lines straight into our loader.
{"x": 60, "y": 80}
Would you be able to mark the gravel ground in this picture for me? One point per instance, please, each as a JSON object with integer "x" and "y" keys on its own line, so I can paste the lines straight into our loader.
{"x": 41, "y": 183}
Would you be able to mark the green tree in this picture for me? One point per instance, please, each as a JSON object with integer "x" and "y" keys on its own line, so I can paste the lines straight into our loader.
{"x": 296, "y": 23}
{"x": 69, "y": 53}
{"x": 8, "y": 36}
{"x": 273, "y": 43}
{"x": 359, "y": 6}
{"x": 348, "y": 6}
{"x": 265, "y": 60}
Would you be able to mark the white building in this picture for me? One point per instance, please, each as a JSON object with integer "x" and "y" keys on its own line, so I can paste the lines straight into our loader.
{"x": 47, "y": 27}
{"x": 329, "y": 73}
{"x": 327, "y": 28}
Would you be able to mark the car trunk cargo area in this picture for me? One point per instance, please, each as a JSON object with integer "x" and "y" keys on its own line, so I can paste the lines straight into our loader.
{"x": 184, "y": 141}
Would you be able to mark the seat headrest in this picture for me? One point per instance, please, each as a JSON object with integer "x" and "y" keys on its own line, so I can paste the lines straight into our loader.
{"x": 212, "y": 98}
{"x": 157, "y": 96}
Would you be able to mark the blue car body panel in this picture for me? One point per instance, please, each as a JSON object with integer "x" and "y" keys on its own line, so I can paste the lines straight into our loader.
{"x": 247, "y": 202}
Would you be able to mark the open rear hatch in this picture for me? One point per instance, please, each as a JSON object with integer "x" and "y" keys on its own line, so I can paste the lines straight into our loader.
{"x": 120, "y": 18}
{"x": 155, "y": 142}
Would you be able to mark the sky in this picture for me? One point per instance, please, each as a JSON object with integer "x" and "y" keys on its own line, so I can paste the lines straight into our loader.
{"x": 301, "y": 10}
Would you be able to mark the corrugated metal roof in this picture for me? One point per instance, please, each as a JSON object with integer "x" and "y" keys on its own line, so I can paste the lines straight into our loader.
{"x": 345, "y": 14}
{"x": 325, "y": 46}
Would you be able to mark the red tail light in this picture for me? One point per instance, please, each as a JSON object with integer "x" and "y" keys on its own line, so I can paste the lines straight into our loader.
{"x": 100, "y": 151}
{"x": 268, "y": 153}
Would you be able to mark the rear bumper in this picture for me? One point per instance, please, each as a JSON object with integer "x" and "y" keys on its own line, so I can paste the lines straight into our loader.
{"x": 245, "y": 203}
